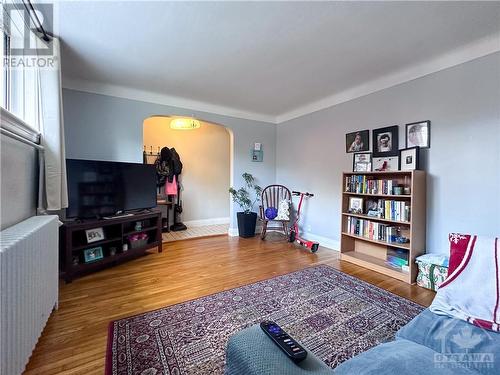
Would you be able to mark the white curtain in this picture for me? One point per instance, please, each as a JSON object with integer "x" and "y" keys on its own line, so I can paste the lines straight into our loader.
{"x": 53, "y": 192}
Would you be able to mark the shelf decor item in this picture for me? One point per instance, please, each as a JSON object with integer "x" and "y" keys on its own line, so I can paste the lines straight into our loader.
{"x": 355, "y": 205}
{"x": 93, "y": 254}
{"x": 409, "y": 158}
{"x": 94, "y": 235}
{"x": 386, "y": 164}
{"x": 386, "y": 141}
{"x": 362, "y": 162}
{"x": 357, "y": 141}
{"x": 418, "y": 134}
{"x": 138, "y": 240}
{"x": 391, "y": 228}
{"x": 247, "y": 219}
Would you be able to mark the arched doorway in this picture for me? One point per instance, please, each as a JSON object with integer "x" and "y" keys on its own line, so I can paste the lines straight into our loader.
{"x": 206, "y": 154}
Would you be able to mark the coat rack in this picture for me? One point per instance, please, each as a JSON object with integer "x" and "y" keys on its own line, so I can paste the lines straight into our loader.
{"x": 151, "y": 153}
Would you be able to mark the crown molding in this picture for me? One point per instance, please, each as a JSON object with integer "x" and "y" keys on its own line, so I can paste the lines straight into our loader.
{"x": 157, "y": 98}
{"x": 472, "y": 51}
{"x": 480, "y": 48}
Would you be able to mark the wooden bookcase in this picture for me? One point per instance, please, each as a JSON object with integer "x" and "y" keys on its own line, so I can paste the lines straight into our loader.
{"x": 73, "y": 242}
{"x": 372, "y": 253}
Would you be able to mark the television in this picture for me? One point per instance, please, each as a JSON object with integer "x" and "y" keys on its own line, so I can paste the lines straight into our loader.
{"x": 105, "y": 188}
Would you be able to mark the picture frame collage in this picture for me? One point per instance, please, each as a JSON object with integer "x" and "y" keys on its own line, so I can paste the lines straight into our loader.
{"x": 386, "y": 155}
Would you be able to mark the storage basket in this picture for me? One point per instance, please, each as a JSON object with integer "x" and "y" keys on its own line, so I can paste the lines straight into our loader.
{"x": 432, "y": 271}
{"x": 138, "y": 240}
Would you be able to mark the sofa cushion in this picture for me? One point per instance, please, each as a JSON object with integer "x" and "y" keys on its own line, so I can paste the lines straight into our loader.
{"x": 251, "y": 352}
{"x": 444, "y": 334}
{"x": 397, "y": 358}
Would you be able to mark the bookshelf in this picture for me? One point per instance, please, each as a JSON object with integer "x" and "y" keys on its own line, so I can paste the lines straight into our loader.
{"x": 367, "y": 237}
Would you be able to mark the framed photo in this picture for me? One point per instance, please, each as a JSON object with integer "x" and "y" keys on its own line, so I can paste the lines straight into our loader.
{"x": 357, "y": 141}
{"x": 386, "y": 164}
{"x": 94, "y": 235}
{"x": 355, "y": 205}
{"x": 386, "y": 141}
{"x": 91, "y": 255}
{"x": 418, "y": 134}
{"x": 362, "y": 162}
{"x": 409, "y": 158}
{"x": 372, "y": 208}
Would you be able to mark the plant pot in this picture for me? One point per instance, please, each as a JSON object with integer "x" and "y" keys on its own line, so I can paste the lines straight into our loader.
{"x": 246, "y": 224}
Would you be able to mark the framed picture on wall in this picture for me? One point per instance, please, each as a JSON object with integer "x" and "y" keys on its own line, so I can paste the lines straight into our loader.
{"x": 386, "y": 164}
{"x": 357, "y": 141}
{"x": 386, "y": 141}
{"x": 409, "y": 158}
{"x": 418, "y": 134}
{"x": 362, "y": 162}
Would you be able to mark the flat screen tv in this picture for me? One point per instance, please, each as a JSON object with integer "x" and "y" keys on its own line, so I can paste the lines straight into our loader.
{"x": 105, "y": 188}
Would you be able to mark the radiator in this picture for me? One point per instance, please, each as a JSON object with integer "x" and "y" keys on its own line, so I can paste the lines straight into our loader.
{"x": 28, "y": 288}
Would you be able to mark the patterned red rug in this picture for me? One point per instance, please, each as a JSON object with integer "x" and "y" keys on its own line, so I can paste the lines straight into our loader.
{"x": 334, "y": 315}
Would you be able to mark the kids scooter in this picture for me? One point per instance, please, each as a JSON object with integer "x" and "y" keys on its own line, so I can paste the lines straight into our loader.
{"x": 294, "y": 230}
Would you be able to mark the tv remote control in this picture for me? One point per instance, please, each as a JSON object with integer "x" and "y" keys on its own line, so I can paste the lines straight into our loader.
{"x": 291, "y": 348}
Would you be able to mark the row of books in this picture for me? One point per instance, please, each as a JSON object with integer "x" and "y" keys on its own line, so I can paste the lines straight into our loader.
{"x": 360, "y": 184}
{"x": 371, "y": 229}
{"x": 390, "y": 210}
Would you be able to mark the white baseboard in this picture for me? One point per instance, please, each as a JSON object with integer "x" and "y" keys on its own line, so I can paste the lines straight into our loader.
{"x": 325, "y": 242}
{"x": 233, "y": 232}
{"x": 203, "y": 222}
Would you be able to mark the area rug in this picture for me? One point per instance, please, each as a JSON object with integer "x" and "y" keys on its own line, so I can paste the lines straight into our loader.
{"x": 334, "y": 315}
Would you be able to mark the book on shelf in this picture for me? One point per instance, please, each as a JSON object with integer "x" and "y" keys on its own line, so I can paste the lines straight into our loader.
{"x": 389, "y": 209}
{"x": 371, "y": 230}
{"x": 362, "y": 184}
{"x": 398, "y": 258}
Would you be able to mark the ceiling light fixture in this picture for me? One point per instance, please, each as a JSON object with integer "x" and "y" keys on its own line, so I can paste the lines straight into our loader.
{"x": 184, "y": 123}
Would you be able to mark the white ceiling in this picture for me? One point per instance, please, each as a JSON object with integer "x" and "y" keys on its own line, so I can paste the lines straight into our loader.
{"x": 265, "y": 60}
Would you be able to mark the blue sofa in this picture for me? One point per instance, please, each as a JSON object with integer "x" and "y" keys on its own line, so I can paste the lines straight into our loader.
{"x": 429, "y": 344}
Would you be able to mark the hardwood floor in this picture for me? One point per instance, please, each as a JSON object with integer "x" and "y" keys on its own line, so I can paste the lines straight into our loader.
{"x": 74, "y": 340}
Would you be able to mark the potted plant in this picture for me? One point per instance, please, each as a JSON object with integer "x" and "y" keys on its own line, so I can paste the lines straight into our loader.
{"x": 247, "y": 219}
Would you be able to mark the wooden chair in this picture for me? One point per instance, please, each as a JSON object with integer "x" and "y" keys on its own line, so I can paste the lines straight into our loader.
{"x": 272, "y": 195}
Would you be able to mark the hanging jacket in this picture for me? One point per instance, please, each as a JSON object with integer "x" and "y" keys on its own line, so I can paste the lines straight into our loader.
{"x": 176, "y": 164}
{"x": 164, "y": 166}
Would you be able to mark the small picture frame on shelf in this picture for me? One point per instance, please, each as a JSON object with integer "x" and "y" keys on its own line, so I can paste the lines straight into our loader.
{"x": 409, "y": 158}
{"x": 386, "y": 164}
{"x": 355, "y": 205}
{"x": 94, "y": 235}
{"x": 362, "y": 162}
{"x": 93, "y": 254}
{"x": 357, "y": 141}
{"x": 418, "y": 134}
{"x": 386, "y": 141}
{"x": 372, "y": 208}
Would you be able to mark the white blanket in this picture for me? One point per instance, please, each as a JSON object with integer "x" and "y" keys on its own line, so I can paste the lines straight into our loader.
{"x": 471, "y": 291}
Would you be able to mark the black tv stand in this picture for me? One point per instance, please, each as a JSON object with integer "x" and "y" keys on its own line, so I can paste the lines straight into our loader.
{"x": 117, "y": 232}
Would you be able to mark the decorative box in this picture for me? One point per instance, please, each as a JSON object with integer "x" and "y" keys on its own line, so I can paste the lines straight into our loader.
{"x": 432, "y": 270}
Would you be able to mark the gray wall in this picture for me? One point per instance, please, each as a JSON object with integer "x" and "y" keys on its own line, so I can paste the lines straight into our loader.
{"x": 463, "y": 163}
{"x": 18, "y": 181}
{"x": 109, "y": 128}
